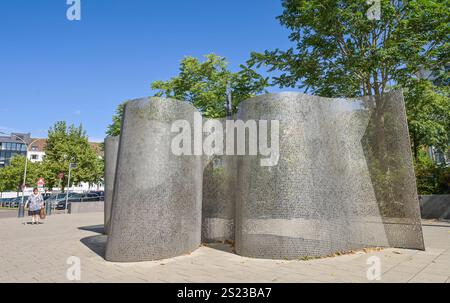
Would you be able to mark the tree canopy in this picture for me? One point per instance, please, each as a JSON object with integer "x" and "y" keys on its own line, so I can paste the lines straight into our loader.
{"x": 11, "y": 176}
{"x": 428, "y": 110}
{"x": 70, "y": 145}
{"x": 114, "y": 128}
{"x": 339, "y": 52}
{"x": 204, "y": 84}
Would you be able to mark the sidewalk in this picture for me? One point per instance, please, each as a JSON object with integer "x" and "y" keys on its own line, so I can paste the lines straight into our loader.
{"x": 8, "y": 213}
{"x": 39, "y": 253}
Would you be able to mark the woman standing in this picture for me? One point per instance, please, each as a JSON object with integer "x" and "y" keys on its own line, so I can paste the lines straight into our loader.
{"x": 35, "y": 202}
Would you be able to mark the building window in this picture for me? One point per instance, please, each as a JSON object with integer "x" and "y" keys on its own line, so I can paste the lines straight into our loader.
{"x": 34, "y": 148}
{"x": 34, "y": 157}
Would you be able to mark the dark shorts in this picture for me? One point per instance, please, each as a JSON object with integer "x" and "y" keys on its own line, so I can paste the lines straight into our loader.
{"x": 34, "y": 212}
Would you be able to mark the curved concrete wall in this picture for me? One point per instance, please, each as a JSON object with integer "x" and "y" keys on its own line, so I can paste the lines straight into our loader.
{"x": 111, "y": 150}
{"x": 219, "y": 184}
{"x": 387, "y": 150}
{"x": 159, "y": 214}
{"x": 344, "y": 180}
{"x": 326, "y": 194}
{"x": 218, "y": 207}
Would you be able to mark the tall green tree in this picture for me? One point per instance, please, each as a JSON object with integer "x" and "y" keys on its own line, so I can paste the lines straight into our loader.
{"x": 339, "y": 52}
{"x": 428, "y": 110}
{"x": 11, "y": 176}
{"x": 204, "y": 84}
{"x": 2, "y": 182}
{"x": 70, "y": 145}
{"x": 114, "y": 128}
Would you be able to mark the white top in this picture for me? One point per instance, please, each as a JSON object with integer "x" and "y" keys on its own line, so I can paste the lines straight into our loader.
{"x": 35, "y": 202}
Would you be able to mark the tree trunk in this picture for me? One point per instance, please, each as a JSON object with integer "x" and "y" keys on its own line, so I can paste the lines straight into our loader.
{"x": 415, "y": 147}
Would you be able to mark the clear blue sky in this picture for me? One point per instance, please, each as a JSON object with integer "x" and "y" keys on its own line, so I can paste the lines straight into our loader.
{"x": 54, "y": 69}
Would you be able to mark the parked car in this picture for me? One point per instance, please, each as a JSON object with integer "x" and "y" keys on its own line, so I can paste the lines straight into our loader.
{"x": 76, "y": 197}
{"x": 53, "y": 199}
{"x": 5, "y": 202}
{"x": 59, "y": 201}
{"x": 73, "y": 197}
{"x": 46, "y": 196}
{"x": 100, "y": 193}
{"x": 92, "y": 197}
{"x": 59, "y": 196}
{"x": 15, "y": 202}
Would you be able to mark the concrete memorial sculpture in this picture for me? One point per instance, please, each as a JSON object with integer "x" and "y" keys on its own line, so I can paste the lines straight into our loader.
{"x": 219, "y": 185}
{"x": 156, "y": 209}
{"x": 344, "y": 180}
{"x": 312, "y": 176}
{"x": 111, "y": 149}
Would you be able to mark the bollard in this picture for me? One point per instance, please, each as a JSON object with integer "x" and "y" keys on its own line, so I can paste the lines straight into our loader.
{"x": 21, "y": 213}
{"x": 48, "y": 207}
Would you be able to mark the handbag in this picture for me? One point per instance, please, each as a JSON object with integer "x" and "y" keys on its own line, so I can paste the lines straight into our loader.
{"x": 42, "y": 213}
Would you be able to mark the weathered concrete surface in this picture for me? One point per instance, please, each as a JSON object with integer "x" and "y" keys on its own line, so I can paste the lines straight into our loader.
{"x": 156, "y": 210}
{"x": 111, "y": 151}
{"x": 85, "y": 207}
{"x": 218, "y": 207}
{"x": 218, "y": 199}
{"x": 328, "y": 192}
{"x": 343, "y": 180}
{"x": 435, "y": 206}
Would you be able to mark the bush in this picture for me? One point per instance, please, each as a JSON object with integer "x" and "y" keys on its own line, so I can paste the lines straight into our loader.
{"x": 431, "y": 177}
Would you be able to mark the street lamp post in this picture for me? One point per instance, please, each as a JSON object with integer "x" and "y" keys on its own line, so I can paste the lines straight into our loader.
{"x": 21, "y": 213}
{"x": 71, "y": 165}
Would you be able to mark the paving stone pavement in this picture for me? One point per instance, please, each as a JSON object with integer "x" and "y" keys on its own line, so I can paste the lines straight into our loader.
{"x": 39, "y": 253}
{"x": 8, "y": 213}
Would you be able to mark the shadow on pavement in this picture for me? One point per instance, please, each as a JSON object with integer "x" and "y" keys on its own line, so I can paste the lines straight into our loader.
{"x": 226, "y": 247}
{"x": 94, "y": 228}
{"x": 96, "y": 243}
